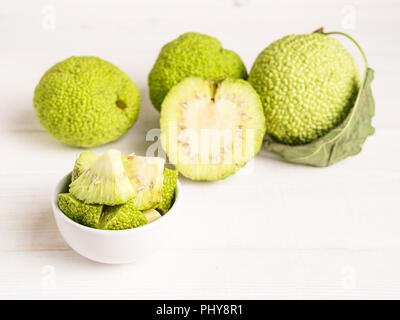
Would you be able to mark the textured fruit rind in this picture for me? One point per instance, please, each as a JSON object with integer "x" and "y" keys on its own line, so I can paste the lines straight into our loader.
{"x": 168, "y": 190}
{"x": 341, "y": 142}
{"x": 191, "y": 54}
{"x": 307, "y": 84}
{"x": 86, "y": 101}
{"x": 120, "y": 217}
{"x": 84, "y": 161}
{"x": 86, "y": 214}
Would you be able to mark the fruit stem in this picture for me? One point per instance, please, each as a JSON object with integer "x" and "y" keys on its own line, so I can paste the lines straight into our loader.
{"x": 354, "y": 41}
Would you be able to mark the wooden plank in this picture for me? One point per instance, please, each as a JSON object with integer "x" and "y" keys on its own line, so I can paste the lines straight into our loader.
{"x": 268, "y": 204}
{"x": 201, "y": 274}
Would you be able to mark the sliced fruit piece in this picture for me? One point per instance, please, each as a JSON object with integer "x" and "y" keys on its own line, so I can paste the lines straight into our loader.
{"x": 120, "y": 217}
{"x": 211, "y": 128}
{"x": 146, "y": 176}
{"x": 86, "y": 214}
{"x": 168, "y": 190}
{"x": 104, "y": 182}
{"x": 84, "y": 161}
{"x": 151, "y": 215}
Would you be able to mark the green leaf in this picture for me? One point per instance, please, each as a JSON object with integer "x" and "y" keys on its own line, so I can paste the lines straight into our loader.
{"x": 341, "y": 142}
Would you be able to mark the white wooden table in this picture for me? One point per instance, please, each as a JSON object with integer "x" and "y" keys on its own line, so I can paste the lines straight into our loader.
{"x": 274, "y": 230}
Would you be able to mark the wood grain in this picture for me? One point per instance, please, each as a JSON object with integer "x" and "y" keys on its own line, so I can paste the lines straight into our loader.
{"x": 205, "y": 274}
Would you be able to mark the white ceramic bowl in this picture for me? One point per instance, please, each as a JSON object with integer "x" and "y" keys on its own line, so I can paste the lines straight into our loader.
{"x": 113, "y": 246}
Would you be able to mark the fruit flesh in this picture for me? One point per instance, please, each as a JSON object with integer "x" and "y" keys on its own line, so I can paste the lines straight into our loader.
{"x": 86, "y": 101}
{"x": 210, "y": 129}
{"x": 146, "y": 177}
{"x": 104, "y": 182}
{"x": 191, "y": 55}
{"x": 151, "y": 215}
{"x": 307, "y": 84}
{"x": 84, "y": 161}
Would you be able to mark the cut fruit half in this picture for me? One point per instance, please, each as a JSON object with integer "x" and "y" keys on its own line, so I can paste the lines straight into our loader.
{"x": 211, "y": 128}
{"x": 146, "y": 177}
{"x": 104, "y": 182}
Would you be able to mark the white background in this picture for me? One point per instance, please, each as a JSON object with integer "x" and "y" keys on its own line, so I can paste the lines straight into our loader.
{"x": 274, "y": 230}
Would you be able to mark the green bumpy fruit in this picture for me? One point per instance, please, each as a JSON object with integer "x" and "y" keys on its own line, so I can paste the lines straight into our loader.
{"x": 86, "y": 101}
{"x": 120, "y": 217}
{"x": 168, "y": 190}
{"x": 307, "y": 84}
{"x": 86, "y": 214}
{"x": 192, "y": 54}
